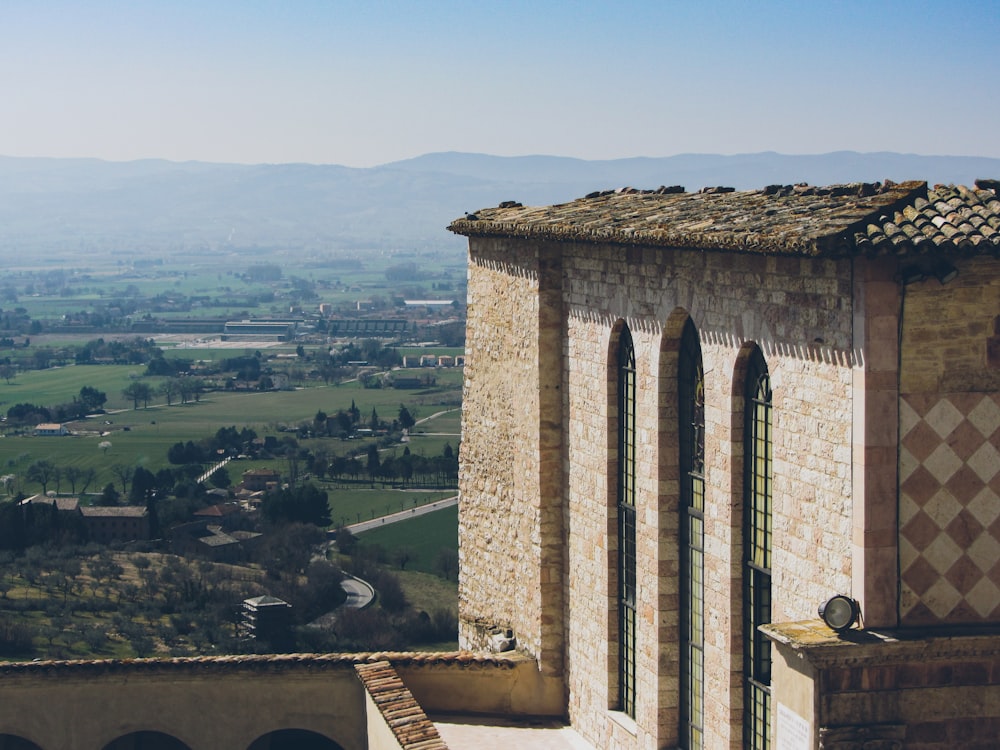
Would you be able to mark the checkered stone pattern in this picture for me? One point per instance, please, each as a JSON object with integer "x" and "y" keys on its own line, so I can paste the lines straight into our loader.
{"x": 949, "y": 509}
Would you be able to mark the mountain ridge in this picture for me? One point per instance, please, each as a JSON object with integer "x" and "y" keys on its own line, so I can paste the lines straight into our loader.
{"x": 61, "y": 204}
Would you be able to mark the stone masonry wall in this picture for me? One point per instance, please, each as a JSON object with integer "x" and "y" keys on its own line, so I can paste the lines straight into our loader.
{"x": 510, "y": 522}
{"x": 799, "y": 313}
{"x": 949, "y": 509}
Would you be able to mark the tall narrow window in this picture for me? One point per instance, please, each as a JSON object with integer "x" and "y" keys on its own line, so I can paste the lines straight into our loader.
{"x": 626, "y": 525}
{"x": 691, "y": 412}
{"x": 757, "y": 556}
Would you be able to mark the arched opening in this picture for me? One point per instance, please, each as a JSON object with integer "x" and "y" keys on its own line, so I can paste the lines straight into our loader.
{"x": 13, "y": 742}
{"x": 626, "y": 521}
{"x": 691, "y": 433}
{"x": 294, "y": 739}
{"x": 146, "y": 741}
{"x": 757, "y": 531}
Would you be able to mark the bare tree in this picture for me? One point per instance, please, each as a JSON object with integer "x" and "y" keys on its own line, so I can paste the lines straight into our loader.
{"x": 124, "y": 474}
{"x": 72, "y": 474}
{"x": 42, "y": 472}
{"x": 89, "y": 475}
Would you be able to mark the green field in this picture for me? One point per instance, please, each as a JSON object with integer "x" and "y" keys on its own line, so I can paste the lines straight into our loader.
{"x": 425, "y": 535}
{"x": 141, "y": 437}
{"x": 59, "y": 385}
{"x": 352, "y": 505}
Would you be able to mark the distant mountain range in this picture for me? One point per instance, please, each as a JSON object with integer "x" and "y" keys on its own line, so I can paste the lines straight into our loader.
{"x": 68, "y": 205}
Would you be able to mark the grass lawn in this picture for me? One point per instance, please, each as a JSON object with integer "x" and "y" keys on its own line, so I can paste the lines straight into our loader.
{"x": 425, "y": 535}
{"x": 353, "y": 505}
{"x": 59, "y": 385}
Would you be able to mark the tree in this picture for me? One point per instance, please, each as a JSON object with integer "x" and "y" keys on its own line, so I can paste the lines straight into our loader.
{"x": 347, "y": 543}
{"x": 290, "y": 450}
{"x": 73, "y": 474}
{"x": 92, "y": 399}
{"x": 105, "y": 446}
{"x": 303, "y": 504}
{"x": 138, "y": 391}
{"x": 170, "y": 388}
{"x": 8, "y": 373}
{"x": 42, "y": 472}
{"x": 406, "y": 420}
{"x": 446, "y": 562}
{"x": 109, "y": 495}
{"x": 402, "y": 555}
{"x": 373, "y": 465}
{"x": 124, "y": 474}
{"x": 89, "y": 475}
{"x": 143, "y": 486}
{"x": 221, "y": 478}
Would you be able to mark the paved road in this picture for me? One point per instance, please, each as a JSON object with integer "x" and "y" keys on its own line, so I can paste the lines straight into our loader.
{"x": 359, "y": 593}
{"x": 420, "y": 510}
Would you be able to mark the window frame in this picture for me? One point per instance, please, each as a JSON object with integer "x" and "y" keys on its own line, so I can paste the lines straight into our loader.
{"x": 691, "y": 438}
{"x": 757, "y": 547}
{"x": 626, "y": 594}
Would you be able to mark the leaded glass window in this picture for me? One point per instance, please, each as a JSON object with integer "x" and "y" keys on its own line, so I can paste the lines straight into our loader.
{"x": 626, "y": 525}
{"x": 757, "y": 555}
{"x": 691, "y": 412}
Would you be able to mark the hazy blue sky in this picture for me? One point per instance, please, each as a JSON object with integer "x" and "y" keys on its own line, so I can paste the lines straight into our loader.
{"x": 364, "y": 83}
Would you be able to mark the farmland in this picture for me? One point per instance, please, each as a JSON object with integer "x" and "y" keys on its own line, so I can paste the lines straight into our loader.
{"x": 100, "y": 346}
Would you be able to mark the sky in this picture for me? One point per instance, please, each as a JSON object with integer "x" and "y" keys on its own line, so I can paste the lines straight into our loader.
{"x": 372, "y": 82}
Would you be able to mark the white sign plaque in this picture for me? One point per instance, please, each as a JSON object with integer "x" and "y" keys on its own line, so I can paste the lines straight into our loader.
{"x": 793, "y": 730}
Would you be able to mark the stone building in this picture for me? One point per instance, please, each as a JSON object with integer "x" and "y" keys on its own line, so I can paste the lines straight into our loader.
{"x": 125, "y": 523}
{"x": 691, "y": 419}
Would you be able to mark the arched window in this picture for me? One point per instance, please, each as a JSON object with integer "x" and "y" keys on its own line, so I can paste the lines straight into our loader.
{"x": 757, "y": 443}
{"x": 691, "y": 432}
{"x": 626, "y": 524}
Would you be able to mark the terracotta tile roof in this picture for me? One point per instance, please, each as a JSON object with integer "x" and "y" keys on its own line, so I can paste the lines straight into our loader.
{"x": 951, "y": 219}
{"x": 218, "y": 510}
{"x": 114, "y": 511}
{"x": 61, "y": 503}
{"x": 408, "y": 722}
{"x": 263, "y": 662}
{"x": 860, "y": 218}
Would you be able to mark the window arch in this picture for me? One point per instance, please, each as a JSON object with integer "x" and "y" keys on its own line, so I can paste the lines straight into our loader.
{"x": 757, "y": 453}
{"x": 626, "y": 524}
{"x": 691, "y": 433}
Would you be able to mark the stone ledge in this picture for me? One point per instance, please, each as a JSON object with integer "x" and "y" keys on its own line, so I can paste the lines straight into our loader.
{"x": 812, "y": 641}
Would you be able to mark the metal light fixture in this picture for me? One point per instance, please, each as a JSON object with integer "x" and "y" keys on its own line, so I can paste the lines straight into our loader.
{"x": 840, "y": 612}
{"x": 911, "y": 274}
{"x": 944, "y": 271}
